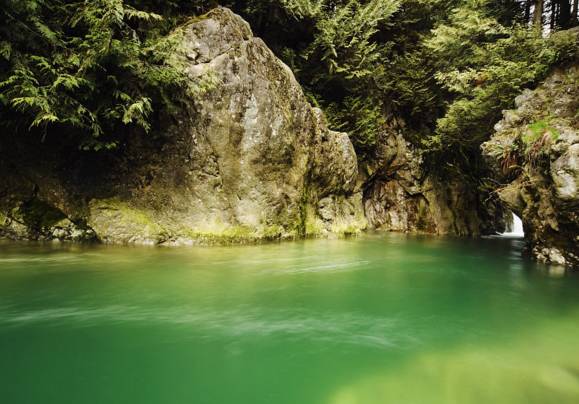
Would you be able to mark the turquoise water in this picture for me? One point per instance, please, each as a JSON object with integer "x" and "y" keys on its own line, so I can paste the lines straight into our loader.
{"x": 375, "y": 319}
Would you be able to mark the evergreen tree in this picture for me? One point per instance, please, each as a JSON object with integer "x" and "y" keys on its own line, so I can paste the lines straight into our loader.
{"x": 538, "y": 15}
{"x": 91, "y": 69}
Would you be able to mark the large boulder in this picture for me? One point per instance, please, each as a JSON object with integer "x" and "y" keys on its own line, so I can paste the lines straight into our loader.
{"x": 535, "y": 155}
{"x": 248, "y": 159}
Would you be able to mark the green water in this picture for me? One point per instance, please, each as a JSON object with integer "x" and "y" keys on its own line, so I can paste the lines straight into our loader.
{"x": 377, "y": 319}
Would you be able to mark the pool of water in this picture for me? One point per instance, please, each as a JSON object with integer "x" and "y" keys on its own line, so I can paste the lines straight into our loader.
{"x": 376, "y": 319}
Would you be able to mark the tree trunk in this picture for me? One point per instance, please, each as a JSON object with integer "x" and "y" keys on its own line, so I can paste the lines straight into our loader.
{"x": 564, "y": 20}
{"x": 574, "y": 14}
{"x": 553, "y": 17}
{"x": 538, "y": 15}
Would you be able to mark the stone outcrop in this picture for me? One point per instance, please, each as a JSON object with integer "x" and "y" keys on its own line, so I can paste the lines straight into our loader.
{"x": 401, "y": 195}
{"x": 535, "y": 155}
{"x": 248, "y": 159}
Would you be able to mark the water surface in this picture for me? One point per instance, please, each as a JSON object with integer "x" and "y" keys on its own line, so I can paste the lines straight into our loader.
{"x": 376, "y": 319}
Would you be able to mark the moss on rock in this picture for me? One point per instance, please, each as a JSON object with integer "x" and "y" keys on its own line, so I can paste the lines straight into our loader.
{"x": 246, "y": 160}
{"x": 535, "y": 156}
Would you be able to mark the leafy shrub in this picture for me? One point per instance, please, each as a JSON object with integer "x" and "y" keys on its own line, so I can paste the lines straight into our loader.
{"x": 92, "y": 68}
{"x": 484, "y": 66}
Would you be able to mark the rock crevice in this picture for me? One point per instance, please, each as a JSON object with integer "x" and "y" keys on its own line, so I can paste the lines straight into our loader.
{"x": 401, "y": 195}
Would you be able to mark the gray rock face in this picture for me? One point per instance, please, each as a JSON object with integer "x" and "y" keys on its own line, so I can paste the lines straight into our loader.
{"x": 248, "y": 159}
{"x": 536, "y": 158}
{"x": 39, "y": 221}
{"x": 402, "y": 196}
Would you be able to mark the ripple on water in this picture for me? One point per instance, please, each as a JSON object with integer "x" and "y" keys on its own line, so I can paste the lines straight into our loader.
{"x": 337, "y": 329}
{"x": 341, "y": 266}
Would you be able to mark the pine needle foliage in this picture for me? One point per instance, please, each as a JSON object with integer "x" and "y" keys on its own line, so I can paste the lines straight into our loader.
{"x": 99, "y": 69}
{"x": 334, "y": 48}
{"x": 482, "y": 66}
{"x": 447, "y": 67}
{"x": 96, "y": 69}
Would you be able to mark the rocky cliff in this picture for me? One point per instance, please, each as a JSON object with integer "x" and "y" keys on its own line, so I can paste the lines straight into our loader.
{"x": 248, "y": 159}
{"x": 535, "y": 155}
{"x": 401, "y": 195}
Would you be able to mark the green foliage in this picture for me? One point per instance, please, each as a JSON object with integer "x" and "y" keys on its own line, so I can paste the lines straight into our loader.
{"x": 362, "y": 117}
{"x": 304, "y": 8}
{"x": 343, "y": 42}
{"x": 538, "y": 129}
{"x": 100, "y": 69}
{"x": 334, "y": 49}
{"x": 537, "y": 139}
{"x": 96, "y": 69}
{"x": 483, "y": 65}
{"x": 342, "y": 60}
{"x": 447, "y": 67}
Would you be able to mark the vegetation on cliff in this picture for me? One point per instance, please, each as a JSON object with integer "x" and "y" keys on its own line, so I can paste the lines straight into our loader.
{"x": 447, "y": 67}
{"x": 87, "y": 70}
{"x": 247, "y": 159}
{"x": 535, "y": 155}
{"x": 115, "y": 78}
{"x": 90, "y": 69}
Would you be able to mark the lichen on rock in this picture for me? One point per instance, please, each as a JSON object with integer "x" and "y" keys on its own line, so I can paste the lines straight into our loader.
{"x": 247, "y": 159}
{"x": 535, "y": 155}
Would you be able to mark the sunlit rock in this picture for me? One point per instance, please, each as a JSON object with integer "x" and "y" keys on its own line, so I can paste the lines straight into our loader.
{"x": 247, "y": 159}
{"x": 536, "y": 158}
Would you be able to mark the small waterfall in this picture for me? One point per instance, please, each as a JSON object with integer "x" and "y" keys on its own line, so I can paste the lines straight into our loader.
{"x": 516, "y": 228}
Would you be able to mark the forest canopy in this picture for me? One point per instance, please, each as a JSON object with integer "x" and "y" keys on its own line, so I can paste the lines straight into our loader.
{"x": 90, "y": 72}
